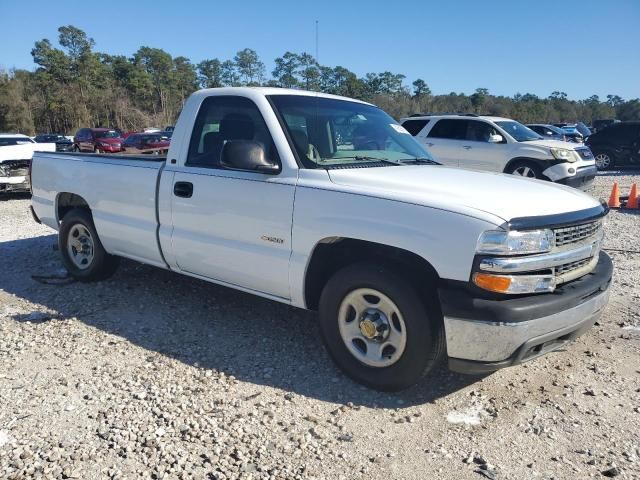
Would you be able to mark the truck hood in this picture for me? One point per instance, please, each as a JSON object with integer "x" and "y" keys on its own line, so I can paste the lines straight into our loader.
{"x": 479, "y": 194}
{"x": 553, "y": 144}
{"x": 24, "y": 151}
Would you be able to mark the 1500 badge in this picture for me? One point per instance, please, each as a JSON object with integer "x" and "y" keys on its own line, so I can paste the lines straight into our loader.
{"x": 277, "y": 240}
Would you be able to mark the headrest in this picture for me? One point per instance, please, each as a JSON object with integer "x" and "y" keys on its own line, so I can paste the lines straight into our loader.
{"x": 237, "y": 126}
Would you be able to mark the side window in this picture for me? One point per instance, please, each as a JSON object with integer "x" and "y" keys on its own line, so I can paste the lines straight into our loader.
{"x": 624, "y": 133}
{"x": 414, "y": 127}
{"x": 478, "y": 131}
{"x": 221, "y": 119}
{"x": 449, "y": 128}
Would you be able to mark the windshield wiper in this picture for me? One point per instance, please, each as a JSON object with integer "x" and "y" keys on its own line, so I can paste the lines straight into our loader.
{"x": 426, "y": 160}
{"x": 367, "y": 158}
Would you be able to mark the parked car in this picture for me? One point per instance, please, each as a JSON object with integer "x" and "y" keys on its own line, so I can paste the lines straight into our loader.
{"x": 616, "y": 145}
{"x": 16, "y": 151}
{"x": 63, "y": 144}
{"x": 570, "y": 131}
{"x": 154, "y": 143}
{"x": 97, "y": 140}
{"x": 603, "y": 123}
{"x": 406, "y": 261}
{"x": 550, "y": 132}
{"x": 502, "y": 145}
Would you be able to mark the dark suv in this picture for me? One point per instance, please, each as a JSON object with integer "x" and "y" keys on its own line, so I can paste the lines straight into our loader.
{"x": 617, "y": 144}
{"x": 97, "y": 140}
{"x": 63, "y": 144}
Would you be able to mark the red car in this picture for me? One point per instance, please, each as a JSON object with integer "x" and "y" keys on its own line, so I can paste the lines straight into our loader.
{"x": 146, "y": 143}
{"x": 97, "y": 140}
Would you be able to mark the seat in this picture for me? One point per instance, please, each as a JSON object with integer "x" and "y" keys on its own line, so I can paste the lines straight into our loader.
{"x": 300, "y": 142}
{"x": 212, "y": 143}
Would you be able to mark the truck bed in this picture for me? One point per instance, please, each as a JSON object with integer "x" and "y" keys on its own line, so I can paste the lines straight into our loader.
{"x": 121, "y": 190}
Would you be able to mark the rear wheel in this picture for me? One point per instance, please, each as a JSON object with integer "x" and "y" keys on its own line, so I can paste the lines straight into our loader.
{"x": 526, "y": 169}
{"x": 378, "y": 329}
{"x": 604, "y": 160}
{"x": 82, "y": 252}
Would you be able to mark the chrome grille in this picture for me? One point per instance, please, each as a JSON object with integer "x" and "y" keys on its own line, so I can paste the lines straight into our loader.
{"x": 568, "y": 267}
{"x": 576, "y": 233}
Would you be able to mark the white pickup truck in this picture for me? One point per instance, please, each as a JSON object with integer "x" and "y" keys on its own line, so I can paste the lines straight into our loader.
{"x": 327, "y": 203}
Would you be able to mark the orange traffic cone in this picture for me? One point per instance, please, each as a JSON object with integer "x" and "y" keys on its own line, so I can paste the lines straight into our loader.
{"x": 614, "y": 198}
{"x": 633, "y": 197}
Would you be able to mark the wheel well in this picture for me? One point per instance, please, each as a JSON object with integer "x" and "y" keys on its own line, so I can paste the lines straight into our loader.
{"x": 513, "y": 161}
{"x": 68, "y": 201}
{"x": 332, "y": 254}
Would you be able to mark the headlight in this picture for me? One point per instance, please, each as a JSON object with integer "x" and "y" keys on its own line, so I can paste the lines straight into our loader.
{"x": 515, "y": 284}
{"x": 105, "y": 144}
{"x": 515, "y": 243}
{"x": 3, "y": 172}
{"x": 564, "y": 154}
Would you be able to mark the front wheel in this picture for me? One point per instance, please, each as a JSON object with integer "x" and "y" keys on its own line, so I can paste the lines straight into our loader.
{"x": 82, "y": 252}
{"x": 604, "y": 161}
{"x": 526, "y": 169}
{"x": 378, "y": 329}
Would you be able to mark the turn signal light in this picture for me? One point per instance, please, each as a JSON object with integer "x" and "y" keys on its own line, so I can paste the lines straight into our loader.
{"x": 492, "y": 283}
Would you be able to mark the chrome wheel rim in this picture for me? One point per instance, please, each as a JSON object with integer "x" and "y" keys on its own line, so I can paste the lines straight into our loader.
{"x": 372, "y": 327}
{"x": 603, "y": 160}
{"x": 80, "y": 246}
{"x": 525, "y": 171}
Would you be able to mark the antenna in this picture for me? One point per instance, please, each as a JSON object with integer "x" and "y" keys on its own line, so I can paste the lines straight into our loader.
{"x": 317, "y": 59}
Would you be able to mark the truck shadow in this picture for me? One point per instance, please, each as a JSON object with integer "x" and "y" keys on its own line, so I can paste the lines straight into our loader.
{"x": 201, "y": 324}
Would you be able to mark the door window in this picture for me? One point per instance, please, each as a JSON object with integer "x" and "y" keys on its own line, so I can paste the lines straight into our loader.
{"x": 222, "y": 119}
{"x": 414, "y": 127}
{"x": 479, "y": 131}
{"x": 449, "y": 128}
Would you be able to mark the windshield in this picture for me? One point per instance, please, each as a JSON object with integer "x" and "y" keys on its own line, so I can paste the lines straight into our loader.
{"x": 518, "y": 131}
{"x": 328, "y": 132}
{"x": 50, "y": 138}
{"x": 107, "y": 134}
{"x": 6, "y": 141}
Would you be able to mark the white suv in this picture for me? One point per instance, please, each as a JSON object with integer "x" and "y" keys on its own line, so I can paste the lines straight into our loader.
{"x": 501, "y": 145}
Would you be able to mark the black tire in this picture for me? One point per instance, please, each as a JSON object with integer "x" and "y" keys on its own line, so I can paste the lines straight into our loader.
{"x": 605, "y": 160}
{"x": 531, "y": 168}
{"x": 102, "y": 265}
{"x": 425, "y": 343}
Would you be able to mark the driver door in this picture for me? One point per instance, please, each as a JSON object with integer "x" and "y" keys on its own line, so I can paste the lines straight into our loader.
{"x": 231, "y": 226}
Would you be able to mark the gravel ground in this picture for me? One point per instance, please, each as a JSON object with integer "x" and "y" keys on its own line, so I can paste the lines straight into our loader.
{"x": 156, "y": 375}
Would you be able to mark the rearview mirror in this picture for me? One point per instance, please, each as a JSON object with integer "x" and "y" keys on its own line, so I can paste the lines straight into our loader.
{"x": 247, "y": 155}
{"x": 495, "y": 139}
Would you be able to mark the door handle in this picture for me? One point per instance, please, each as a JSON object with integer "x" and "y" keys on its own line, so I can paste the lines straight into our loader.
{"x": 467, "y": 147}
{"x": 429, "y": 144}
{"x": 183, "y": 189}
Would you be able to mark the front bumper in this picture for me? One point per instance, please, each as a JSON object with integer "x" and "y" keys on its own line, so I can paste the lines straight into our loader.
{"x": 109, "y": 149}
{"x": 484, "y": 335}
{"x": 577, "y": 174}
{"x": 15, "y": 184}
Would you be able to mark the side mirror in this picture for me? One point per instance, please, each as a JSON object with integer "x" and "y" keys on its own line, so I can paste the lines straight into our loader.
{"x": 247, "y": 155}
{"x": 495, "y": 139}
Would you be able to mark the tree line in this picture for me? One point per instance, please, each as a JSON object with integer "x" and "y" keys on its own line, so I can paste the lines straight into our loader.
{"x": 75, "y": 86}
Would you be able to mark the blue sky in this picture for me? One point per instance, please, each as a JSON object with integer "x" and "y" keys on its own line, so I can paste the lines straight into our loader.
{"x": 580, "y": 47}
